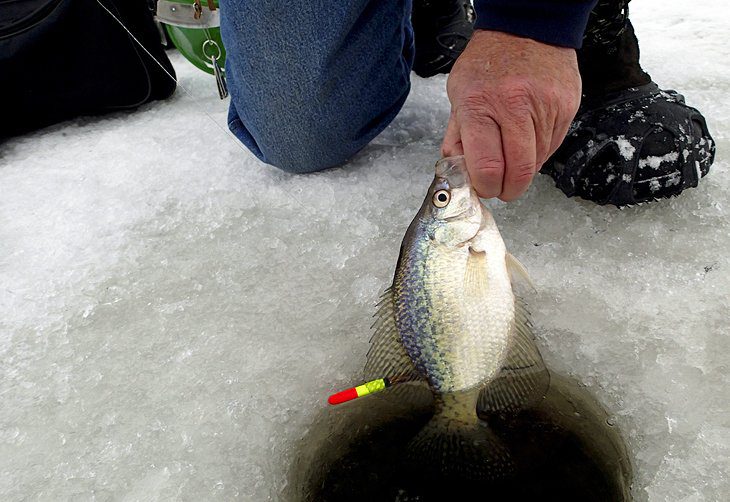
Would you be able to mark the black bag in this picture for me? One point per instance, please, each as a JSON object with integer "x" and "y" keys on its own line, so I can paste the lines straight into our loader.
{"x": 64, "y": 58}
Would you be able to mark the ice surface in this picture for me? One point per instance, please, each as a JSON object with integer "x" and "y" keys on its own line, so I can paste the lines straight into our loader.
{"x": 174, "y": 312}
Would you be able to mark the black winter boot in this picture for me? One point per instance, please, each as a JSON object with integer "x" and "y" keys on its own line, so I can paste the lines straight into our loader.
{"x": 441, "y": 29}
{"x": 630, "y": 142}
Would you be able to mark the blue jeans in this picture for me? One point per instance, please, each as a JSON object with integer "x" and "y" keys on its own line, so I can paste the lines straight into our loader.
{"x": 314, "y": 81}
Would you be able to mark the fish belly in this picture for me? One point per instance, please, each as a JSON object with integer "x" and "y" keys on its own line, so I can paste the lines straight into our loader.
{"x": 457, "y": 339}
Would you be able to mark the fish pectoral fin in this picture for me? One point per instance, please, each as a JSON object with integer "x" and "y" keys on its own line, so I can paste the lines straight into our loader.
{"x": 518, "y": 270}
{"x": 387, "y": 357}
{"x": 475, "y": 279}
{"x": 523, "y": 380}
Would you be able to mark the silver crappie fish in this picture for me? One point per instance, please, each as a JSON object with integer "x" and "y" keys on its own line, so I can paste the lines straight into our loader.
{"x": 451, "y": 319}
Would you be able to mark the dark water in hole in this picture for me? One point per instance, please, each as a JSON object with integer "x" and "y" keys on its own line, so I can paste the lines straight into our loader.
{"x": 562, "y": 449}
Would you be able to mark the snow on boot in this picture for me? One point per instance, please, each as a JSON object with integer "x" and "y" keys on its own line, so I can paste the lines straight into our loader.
{"x": 630, "y": 142}
{"x": 441, "y": 29}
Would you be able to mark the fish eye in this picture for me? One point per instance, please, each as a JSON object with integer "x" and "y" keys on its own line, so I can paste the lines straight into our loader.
{"x": 441, "y": 198}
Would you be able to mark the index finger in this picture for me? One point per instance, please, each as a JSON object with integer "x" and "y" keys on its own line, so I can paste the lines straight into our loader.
{"x": 451, "y": 144}
{"x": 520, "y": 152}
{"x": 481, "y": 138}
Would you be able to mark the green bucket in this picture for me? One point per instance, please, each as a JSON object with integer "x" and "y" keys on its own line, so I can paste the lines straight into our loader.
{"x": 198, "y": 40}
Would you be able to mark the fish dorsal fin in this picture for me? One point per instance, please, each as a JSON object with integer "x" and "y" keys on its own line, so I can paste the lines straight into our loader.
{"x": 524, "y": 379}
{"x": 518, "y": 270}
{"x": 475, "y": 279}
{"x": 387, "y": 357}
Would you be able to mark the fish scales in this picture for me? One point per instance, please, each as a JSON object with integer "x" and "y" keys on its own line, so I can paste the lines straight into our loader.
{"x": 450, "y": 318}
{"x": 456, "y": 337}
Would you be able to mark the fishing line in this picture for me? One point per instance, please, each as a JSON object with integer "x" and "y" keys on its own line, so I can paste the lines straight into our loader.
{"x": 226, "y": 132}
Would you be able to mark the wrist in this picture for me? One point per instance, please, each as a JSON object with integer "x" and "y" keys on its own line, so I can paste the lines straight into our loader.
{"x": 496, "y": 41}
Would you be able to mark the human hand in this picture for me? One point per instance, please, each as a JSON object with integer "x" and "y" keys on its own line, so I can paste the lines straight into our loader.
{"x": 512, "y": 101}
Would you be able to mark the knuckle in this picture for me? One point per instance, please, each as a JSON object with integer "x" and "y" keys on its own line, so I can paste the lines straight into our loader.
{"x": 573, "y": 104}
{"x": 556, "y": 99}
{"x": 524, "y": 167}
{"x": 571, "y": 101}
{"x": 522, "y": 172}
{"x": 517, "y": 95}
{"x": 477, "y": 108}
{"x": 489, "y": 165}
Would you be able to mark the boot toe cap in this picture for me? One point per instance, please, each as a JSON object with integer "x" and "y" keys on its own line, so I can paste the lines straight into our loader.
{"x": 638, "y": 145}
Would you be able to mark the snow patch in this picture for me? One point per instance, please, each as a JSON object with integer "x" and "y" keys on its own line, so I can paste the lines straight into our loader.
{"x": 655, "y": 161}
{"x": 625, "y": 148}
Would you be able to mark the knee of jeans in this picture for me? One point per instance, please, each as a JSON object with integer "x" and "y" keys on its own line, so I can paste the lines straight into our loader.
{"x": 302, "y": 127}
{"x": 308, "y": 147}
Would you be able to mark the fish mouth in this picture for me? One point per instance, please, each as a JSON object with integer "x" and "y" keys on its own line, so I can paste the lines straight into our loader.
{"x": 453, "y": 170}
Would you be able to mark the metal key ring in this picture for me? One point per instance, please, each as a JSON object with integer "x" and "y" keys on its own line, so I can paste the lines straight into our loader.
{"x": 214, "y": 44}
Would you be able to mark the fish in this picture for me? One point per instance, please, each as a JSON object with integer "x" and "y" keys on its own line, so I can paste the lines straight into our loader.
{"x": 451, "y": 320}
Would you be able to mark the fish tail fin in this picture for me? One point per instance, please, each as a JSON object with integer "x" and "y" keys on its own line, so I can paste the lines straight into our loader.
{"x": 459, "y": 447}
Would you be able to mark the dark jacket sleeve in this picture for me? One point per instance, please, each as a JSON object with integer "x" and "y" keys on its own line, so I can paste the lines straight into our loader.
{"x": 557, "y": 22}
